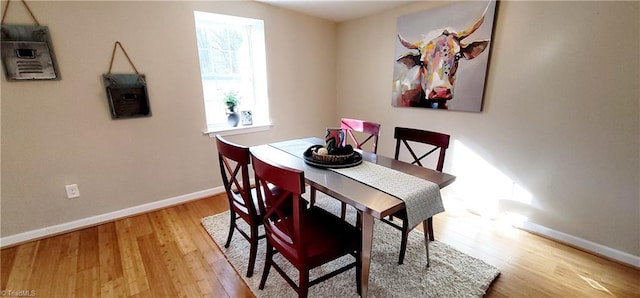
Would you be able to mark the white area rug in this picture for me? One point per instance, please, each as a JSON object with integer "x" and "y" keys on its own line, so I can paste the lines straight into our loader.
{"x": 451, "y": 274}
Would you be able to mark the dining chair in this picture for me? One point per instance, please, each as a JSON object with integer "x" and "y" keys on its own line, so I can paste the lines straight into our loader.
{"x": 306, "y": 237}
{"x": 361, "y": 134}
{"x": 411, "y": 138}
{"x": 234, "y": 167}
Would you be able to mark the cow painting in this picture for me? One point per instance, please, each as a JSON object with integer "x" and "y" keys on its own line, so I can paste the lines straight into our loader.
{"x": 426, "y": 72}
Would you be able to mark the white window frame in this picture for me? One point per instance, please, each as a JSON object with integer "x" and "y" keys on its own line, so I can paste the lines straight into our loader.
{"x": 255, "y": 97}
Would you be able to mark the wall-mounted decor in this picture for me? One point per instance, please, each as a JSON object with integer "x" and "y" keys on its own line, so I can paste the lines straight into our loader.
{"x": 442, "y": 56}
{"x": 126, "y": 93}
{"x": 27, "y": 51}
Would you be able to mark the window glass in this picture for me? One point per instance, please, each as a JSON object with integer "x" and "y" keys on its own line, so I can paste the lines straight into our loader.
{"x": 232, "y": 64}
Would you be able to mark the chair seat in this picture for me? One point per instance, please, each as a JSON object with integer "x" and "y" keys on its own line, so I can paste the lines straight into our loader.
{"x": 254, "y": 197}
{"x": 332, "y": 236}
{"x": 242, "y": 210}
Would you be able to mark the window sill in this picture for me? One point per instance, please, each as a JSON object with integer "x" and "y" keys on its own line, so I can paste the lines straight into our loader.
{"x": 237, "y": 130}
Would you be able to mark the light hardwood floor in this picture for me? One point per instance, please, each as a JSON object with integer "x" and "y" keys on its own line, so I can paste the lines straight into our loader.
{"x": 167, "y": 253}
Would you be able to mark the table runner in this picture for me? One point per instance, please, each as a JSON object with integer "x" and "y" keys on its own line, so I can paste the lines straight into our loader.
{"x": 422, "y": 198}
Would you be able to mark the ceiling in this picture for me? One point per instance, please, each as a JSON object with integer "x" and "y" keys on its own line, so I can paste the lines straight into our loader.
{"x": 335, "y": 10}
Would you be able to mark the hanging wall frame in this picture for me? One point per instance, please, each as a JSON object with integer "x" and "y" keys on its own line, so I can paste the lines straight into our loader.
{"x": 27, "y": 51}
{"x": 126, "y": 93}
{"x": 442, "y": 56}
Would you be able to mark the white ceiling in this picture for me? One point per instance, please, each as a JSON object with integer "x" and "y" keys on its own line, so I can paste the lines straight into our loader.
{"x": 335, "y": 10}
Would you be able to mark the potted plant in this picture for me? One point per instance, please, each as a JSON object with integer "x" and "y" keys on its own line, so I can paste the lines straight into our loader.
{"x": 231, "y": 100}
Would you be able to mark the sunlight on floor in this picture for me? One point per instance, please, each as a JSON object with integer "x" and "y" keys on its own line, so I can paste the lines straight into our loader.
{"x": 594, "y": 284}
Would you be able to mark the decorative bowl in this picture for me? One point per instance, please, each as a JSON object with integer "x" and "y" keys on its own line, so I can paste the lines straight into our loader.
{"x": 331, "y": 158}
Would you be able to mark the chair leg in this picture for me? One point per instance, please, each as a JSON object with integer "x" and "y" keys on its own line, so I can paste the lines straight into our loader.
{"x": 253, "y": 249}
{"x": 403, "y": 243}
{"x": 426, "y": 240}
{"x": 303, "y": 283}
{"x": 430, "y": 222}
{"x": 232, "y": 227}
{"x": 267, "y": 265}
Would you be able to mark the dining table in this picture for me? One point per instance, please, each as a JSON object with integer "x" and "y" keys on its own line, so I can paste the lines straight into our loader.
{"x": 370, "y": 202}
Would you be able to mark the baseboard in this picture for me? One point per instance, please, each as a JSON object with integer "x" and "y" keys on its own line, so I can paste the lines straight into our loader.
{"x": 580, "y": 243}
{"x": 583, "y": 244}
{"x": 107, "y": 217}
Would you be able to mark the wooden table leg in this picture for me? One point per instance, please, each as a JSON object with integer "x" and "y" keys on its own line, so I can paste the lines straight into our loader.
{"x": 367, "y": 242}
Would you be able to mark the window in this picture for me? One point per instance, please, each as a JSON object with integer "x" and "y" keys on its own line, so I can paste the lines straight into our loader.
{"x": 232, "y": 62}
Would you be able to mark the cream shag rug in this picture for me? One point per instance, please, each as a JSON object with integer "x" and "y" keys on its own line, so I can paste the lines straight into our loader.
{"x": 451, "y": 274}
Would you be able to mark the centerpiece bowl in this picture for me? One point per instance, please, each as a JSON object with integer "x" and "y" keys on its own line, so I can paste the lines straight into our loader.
{"x": 339, "y": 159}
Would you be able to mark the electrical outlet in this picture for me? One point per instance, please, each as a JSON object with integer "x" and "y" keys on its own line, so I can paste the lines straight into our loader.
{"x": 72, "y": 191}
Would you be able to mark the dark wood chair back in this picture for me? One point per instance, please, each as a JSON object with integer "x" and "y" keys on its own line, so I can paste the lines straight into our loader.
{"x": 306, "y": 237}
{"x": 234, "y": 167}
{"x": 365, "y": 132}
{"x": 234, "y": 162}
{"x": 275, "y": 203}
{"x": 409, "y": 136}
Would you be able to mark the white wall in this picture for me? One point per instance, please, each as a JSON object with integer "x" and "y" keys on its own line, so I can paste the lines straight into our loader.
{"x": 558, "y": 139}
{"x": 60, "y": 132}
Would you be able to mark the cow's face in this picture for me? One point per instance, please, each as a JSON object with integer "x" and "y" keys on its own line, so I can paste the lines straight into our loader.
{"x": 439, "y": 62}
{"x": 438, "y": 59}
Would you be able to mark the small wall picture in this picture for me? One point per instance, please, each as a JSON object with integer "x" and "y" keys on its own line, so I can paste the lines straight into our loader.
{"x": 246, "y": 117}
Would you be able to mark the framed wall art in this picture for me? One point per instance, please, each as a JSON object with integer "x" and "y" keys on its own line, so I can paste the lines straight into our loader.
{"x": 27, "y": 50}
{"x": 246, "y": 117}
{"x": 126, "y": 93}
{"x": 442, "y": 56}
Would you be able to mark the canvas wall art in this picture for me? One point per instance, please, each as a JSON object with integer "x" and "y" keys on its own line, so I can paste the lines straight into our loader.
{"x": 441, "y": 57}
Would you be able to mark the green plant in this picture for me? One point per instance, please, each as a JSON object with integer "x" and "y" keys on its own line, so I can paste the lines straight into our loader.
{"x": 231, "y": 100}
